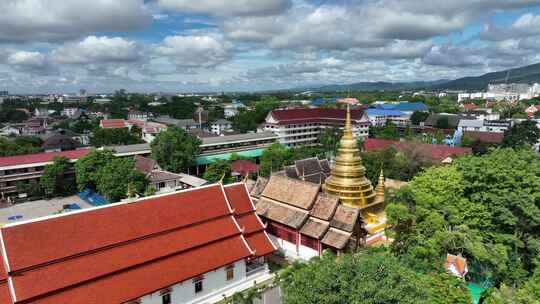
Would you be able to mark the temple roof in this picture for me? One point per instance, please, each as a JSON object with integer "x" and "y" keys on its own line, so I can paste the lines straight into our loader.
{"x": 281, "y": 213}
{"x": 324, "y": 206}
{"x": 336, "y": 238}
{"x": 87, "y": 256}
{"x": 287, "y": 190}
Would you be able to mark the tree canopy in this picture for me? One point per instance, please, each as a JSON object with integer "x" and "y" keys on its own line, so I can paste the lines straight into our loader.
{"x": 485, "y": 208}
{"x": 88, "y": 166}
{"x": 218, "y": 170}
{"x": 371, "y": 277}
{"x": 117, "y": 136}
{"x": 20, "y": 145}
{"x": 53, "y": 180}
{"x": 175, "y": 150}
{"x": 114, "y": 179}
{"x": 524, "y": 133}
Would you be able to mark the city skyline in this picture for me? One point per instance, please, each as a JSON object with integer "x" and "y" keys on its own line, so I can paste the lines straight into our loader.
{"x": 181, "y": 45}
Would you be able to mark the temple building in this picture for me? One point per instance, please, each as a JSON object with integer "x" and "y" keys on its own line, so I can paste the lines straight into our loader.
{"x": 193, "y": 246}
{"x": 311, "y": 206}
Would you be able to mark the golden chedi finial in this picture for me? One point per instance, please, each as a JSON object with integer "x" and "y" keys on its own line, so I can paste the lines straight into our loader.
{"x": 347, "y": 179}
{"x": 379, "y": 190}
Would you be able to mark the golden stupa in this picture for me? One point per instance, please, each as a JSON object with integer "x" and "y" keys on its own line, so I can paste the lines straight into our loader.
{"x": 348, "y": 181}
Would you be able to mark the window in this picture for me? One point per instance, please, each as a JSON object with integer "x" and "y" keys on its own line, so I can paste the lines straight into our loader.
{"x": 198, "y": 282}
{"x": 230, "y": 272}
{"x": 166, "y": 298}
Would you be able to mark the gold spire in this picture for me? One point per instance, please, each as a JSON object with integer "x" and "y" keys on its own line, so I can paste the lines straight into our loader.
{"x": 379, "y": 190}
{"x": 347, "y": 179}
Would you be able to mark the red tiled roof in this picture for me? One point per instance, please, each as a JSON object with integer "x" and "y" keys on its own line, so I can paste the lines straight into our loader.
{"x": 41, "y": 157}
{"x": 121, "y": 252}
{"x": 239, "y": 198}
{"x": 112, "y": 123}
{"x": 469, "y": 106}
{"x": 249, "y": 221}
{"x": 434, "y": 152}
{"x": 145, "y": 164}
{"x": 315, "y": 115}
{"x": 244, "y": 166}
{"x": 486, "y": 137}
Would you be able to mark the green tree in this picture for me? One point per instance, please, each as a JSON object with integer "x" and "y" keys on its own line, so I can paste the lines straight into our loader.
{"x": 417, "y": 117}
{"x": 442, "y": 123}
{"x": 113, "y": 179}
{"x": 175, "y": 150}
{"x": 117, "y": 136}
{"x": 524, "y": 133}
{"x": 329, "y": 140}
{"x": 53, "y": 180}
{"x": 373, "y": 276}
{"x": 218, "y": 170}
{"x": 19, "y": 145}
{"x": 88, "y": 166}
{"x": 485, "y": 208}
{"x": 274, "y": 158}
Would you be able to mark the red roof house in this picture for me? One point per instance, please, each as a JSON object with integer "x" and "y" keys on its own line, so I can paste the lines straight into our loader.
{"x": 244, "y": 167}
{"x": 469, "y": 106}
{"x": 122, "y": 252}
{"x": 485, "y": 137}
{"x": 112, "y": 123}
{"x": 436, "y": 153}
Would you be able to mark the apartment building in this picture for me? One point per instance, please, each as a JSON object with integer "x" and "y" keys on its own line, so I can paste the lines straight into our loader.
{"x": 297, "y": 127}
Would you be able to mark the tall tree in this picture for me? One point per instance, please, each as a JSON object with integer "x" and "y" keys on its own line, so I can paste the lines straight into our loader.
{"x": 175, "y": 150}
{"x": 53, "y": 180}
{"x": 108, "y": 137}
{"x": 524, "y": 133}
{"x": 88, "y": 166}
{"x": 114, "y": 179}
{"x": 221, "y": 169}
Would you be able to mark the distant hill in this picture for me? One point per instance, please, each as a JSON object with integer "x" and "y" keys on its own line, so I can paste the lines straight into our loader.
{"x": 526, "y": 74}
{"x": 380, "y": 86}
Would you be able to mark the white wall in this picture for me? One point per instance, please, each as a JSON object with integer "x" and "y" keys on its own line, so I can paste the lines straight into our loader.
{"x": 213, "y": 281}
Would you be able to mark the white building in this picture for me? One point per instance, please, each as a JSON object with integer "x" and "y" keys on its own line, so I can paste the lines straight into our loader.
{"x": 497, "y": 126}
{"x": 70, "y": 112}
{"x": 296, "y": 127}
{"x": 219, "y": 126}
{"x": 194, "y": 246}
{"x": 232, "y": 109}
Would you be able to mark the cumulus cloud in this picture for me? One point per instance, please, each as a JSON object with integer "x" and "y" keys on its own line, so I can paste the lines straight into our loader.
{"x": 525, "y": 26}
{"x": 50, "y": 20}
{"x": 193, "y": 51}
{"x": 97, "y": 50}
{"x": 30, "y": 62}
{"x": 228, "y": 8}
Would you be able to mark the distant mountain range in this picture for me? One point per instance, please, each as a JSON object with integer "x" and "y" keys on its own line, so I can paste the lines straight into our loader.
{"x": 526, "y": 74}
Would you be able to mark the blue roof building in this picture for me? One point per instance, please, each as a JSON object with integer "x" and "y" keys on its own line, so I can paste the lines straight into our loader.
{"x": 379, "y": 117}
{"x": 405, "y": 106}
{"x": 321, "y": 100}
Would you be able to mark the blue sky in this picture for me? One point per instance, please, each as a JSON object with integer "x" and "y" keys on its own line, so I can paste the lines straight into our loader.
{"x": 55, "y": 46}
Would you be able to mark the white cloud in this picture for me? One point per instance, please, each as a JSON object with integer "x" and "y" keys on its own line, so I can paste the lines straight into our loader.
{"x": 49, "y": 20}
{"x": 193, "y": 51}
{"x": 228, "y": 8}
{"x": 97, "y": 50}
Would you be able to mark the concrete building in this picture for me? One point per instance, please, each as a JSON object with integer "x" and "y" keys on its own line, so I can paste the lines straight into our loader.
{"x": 138, "y": 115}
{"x": 219, "y": 126}
{"x": 194, "y": 246}
{"x": 297, "y": 127}
{"x": 379, "y": 117}
{"x": 498, "y": 126}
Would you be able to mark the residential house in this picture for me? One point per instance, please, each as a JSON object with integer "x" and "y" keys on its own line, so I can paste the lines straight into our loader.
{"x": 71, "y": 112}
{"x": 531, "y": 110}
{"x": 194, "y": 246}
{"x": 138, "y": 115}
{"x": 456, "y": 265}
{"x": 232, "y": 109}
{"x": 220, "y": 126}
{"x": 432, "y": 153}
{"x": 164, "y": 181}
